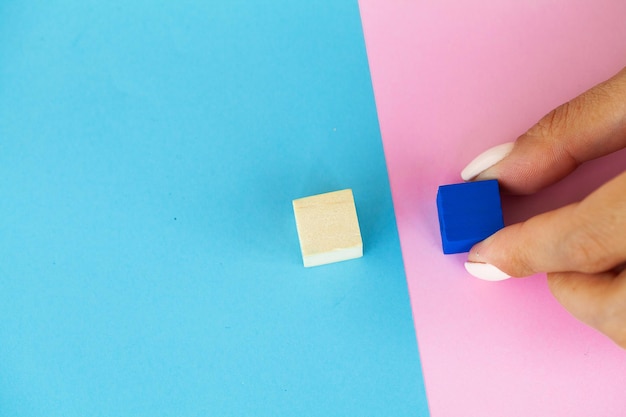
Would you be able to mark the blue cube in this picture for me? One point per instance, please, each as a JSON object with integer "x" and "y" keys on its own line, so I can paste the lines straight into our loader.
{"x": 468, "y": 213}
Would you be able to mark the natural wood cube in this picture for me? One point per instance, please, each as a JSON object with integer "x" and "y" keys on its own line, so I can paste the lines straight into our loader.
{"x": 328, "y": 228}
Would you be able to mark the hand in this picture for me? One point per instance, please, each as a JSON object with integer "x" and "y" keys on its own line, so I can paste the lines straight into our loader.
{"x": 582, "y": 246}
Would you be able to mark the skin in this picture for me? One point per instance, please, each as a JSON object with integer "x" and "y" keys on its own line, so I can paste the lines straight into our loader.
{"x": 581, "y": 247}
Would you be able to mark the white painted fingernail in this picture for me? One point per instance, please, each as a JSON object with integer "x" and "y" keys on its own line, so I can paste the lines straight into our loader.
{"x": 487, "y": 272}
{"x": 486, "y": 160}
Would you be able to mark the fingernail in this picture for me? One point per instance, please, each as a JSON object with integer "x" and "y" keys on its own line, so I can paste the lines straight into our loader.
{"x": 486, "y": 160}
{"x": 484, "y": 271}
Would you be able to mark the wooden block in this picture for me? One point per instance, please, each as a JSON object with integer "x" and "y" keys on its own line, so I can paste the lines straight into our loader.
{"x": 328, "y": 228}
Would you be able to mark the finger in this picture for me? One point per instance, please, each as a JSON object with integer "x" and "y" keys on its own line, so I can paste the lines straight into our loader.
{"x": 584, "y": 237}
{"x": 587, "y": 127}
{"x": 598, "y": 300}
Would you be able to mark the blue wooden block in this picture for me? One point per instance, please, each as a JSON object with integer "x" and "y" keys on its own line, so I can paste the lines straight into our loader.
{"x": 468, "y": 213}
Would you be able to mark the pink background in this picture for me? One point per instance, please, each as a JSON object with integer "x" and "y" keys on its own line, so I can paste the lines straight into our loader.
{"x": 452, "y": 79}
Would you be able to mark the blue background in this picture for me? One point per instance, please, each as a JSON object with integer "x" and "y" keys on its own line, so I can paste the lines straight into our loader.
{"x": 149, "y": 261}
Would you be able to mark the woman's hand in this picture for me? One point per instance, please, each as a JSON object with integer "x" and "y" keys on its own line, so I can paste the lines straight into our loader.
{"x": 581, "y": 247}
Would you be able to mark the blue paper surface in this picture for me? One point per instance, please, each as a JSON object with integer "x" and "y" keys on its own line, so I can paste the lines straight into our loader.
{"x": 149, "y": 260}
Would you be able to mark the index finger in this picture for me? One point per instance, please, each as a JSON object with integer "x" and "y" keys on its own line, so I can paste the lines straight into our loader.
{"x": 587, "y": 127}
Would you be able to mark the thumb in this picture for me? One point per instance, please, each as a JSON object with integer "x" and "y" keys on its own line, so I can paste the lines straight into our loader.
{"x": 599, "y": 300}
{"x": 584, "y": 237}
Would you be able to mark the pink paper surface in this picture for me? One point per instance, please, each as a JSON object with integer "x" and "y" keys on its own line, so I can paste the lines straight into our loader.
{"x": 452, "y": 79}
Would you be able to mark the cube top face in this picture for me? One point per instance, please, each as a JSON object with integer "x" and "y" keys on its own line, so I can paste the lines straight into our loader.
{"x": 468, "y": 213}
{"x": 328, "y": 228}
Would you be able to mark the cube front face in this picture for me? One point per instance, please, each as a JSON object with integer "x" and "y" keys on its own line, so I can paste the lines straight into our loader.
{"x": 468, "y": 213}
{"x": 328, "y": 228}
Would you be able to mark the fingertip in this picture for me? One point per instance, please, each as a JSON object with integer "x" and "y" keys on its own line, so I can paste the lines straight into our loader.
{"x": 476, "y": 253}
{"x": 479, "y": 262}
{"x": 506, "y": 250}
